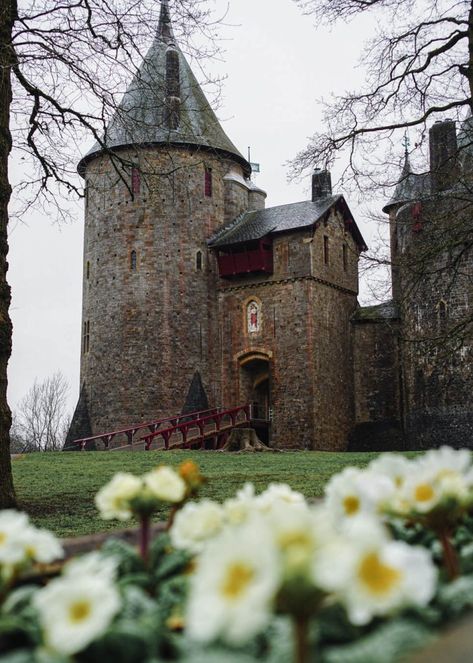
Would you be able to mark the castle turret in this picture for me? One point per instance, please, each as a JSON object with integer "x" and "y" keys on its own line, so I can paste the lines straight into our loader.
{"x": 154, "y": 194}
{"x": 432, "y": 277}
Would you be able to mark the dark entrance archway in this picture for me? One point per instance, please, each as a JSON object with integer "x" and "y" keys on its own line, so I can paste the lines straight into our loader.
{"x": 255, "y": 388}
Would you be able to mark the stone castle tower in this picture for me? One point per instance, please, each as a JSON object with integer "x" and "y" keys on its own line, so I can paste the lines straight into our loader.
{"x": 196, "y": 295}
{"x": 151, "y": 204}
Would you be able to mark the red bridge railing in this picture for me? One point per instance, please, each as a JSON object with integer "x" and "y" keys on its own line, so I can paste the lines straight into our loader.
{"x": 191, "y": 429}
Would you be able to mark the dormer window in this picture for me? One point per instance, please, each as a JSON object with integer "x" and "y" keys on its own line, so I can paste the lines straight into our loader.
{"x": 208, "y": 182}
{"x": 172, "y": 108}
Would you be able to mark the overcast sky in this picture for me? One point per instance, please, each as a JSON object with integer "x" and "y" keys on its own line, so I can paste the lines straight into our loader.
{"x": 278, "y": 65}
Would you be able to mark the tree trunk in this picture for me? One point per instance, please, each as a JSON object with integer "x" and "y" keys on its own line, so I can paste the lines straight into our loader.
{"x": 244, "y": 439}
{"x": 8, "y": 13}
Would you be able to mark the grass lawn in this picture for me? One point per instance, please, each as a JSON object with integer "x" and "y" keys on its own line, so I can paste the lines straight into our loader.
{"x": 57, "y": 489}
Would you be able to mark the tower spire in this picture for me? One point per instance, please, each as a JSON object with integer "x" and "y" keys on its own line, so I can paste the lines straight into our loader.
{"x": 165, "y": 26}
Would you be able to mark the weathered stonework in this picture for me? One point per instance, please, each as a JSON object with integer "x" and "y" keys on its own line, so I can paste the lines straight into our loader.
{"x": 195, "y": 293}
{"x": 151, "y": 325}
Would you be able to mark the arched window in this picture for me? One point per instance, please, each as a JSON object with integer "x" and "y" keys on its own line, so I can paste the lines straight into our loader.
{"x": 198, "y": 261}
{"x": 442, "y": 313}
{"x": 133, "y": 261}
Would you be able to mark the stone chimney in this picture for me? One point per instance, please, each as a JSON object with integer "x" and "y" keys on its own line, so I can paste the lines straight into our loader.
{"x": 321, "y": 184}
{"x": 443, "y": 155}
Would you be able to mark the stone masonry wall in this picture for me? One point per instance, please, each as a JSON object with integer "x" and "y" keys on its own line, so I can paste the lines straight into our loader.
{"x": 150, "y": 326}
{"x": 306, "y": 309}
{"x": 436, "y": 287}
{"x": 377, "y": 383}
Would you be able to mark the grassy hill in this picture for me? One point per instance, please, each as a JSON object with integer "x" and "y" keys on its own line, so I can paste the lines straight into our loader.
{"x": 57, "y": 489}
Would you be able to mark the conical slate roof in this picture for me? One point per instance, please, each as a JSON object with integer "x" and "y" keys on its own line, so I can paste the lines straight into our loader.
{"x": 141, "y": 116}
{"x": 409, "y": 187}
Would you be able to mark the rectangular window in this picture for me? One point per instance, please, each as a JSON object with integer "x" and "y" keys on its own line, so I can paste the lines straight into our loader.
{"x": 208, "y": 182}
{"x": 345, "y": 257}
{"x": 326, "y": 251}
{"x": 135, "y": 180}
{"x": 86, "y": 336}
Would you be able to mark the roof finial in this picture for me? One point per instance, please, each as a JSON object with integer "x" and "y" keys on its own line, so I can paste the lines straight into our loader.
{"x": 165, "y": 26}
{"x": 406, "y": 142}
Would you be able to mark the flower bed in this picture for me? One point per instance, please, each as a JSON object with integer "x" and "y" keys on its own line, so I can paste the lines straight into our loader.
{"x": 374, "y": 571}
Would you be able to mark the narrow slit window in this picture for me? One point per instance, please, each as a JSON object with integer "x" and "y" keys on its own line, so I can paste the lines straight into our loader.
{"x": 133, "y": 261}
{"x": 135, "y": 180}
{"x": 345, "y": 257}
{"x": 442, "y": 312}
{"x": 87, "y": 270}
{"x": 198, "y": 261}
{"x": 208, "y": 181}
{"x": 326, "y": 250}
{"x": 86, "y": 345}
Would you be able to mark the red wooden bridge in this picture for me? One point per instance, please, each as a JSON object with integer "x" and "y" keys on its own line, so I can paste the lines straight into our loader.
{"x": 206, "y": 429}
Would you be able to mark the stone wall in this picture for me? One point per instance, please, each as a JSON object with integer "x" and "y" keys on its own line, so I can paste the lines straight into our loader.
{"x": 150, "y": 316}
{"x": 377, "y": 378}
{"x": 436, "y": 287}
{"x": 306, "y": 307}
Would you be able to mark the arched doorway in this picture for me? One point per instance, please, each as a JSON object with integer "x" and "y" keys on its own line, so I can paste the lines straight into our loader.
{"x": 255, "y": 388}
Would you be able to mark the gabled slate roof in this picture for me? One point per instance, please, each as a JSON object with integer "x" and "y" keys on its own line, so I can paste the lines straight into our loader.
{"x": 140, "y": 117}
{"x": 254, "y": 225}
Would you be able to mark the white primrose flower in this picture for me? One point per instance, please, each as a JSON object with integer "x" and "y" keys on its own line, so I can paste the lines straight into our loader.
{"x": 195, "y": 524}
{"x": 234, "y": 585}
{"x": 75, "y": 610}
{"x": 373, "y": 575}
{"x": 353, "y": 492}
{"x": 113, "y": 499}
{"x": 93, "y": 564}
{"x": 446, "y": 461}
{"x": 165, "y": 484}
{"x": 238, "y": 509}
{"x": 298, "y": 533}
{"x": 13, "y": 525}
{"x": 277, "y": 493}
{"x": 392, "y": 465}
{"x": 40, "y": 545}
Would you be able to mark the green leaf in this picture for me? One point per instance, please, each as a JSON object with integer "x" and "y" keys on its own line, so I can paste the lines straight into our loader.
{"x": 388, "y": 643}
{"x": 129, "y": 561}
{"x": 19, "y": 600}
{"x": 457, "y": 596}
{"x": 171, "y": 564}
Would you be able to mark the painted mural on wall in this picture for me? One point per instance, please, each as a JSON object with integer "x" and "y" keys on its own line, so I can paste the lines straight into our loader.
{"x": 253, "y": 317}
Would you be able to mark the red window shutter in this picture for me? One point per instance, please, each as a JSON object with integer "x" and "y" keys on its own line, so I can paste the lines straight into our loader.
{"x": 135, "y": 180}
{"x": 208, "y": 182}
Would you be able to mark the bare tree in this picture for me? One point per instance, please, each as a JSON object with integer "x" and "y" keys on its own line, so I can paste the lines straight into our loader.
{"x": 419, "y": 68}
{"x": 41, "y": 419}
{"x": 63, "y": 68}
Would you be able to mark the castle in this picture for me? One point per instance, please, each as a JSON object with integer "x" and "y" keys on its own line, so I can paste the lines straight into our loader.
{"x": 196, "y": 295}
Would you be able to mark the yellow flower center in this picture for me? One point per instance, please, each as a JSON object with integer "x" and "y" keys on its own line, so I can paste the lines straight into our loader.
{"x": 237, "y": 579}
{"x": 79, "y": 611}
{"x": 379, "y": 578}
{"x": 351, "y": 504}
{"x": 295, "y": 539}
{"x": 424, "y": 492}
{"x": 30, "y": 551}
{"x": 3, "y": 538}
